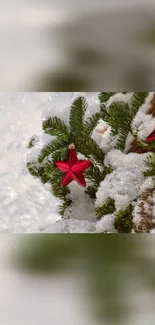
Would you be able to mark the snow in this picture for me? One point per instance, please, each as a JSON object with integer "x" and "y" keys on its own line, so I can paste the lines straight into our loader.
{"x": 119, "y": 97}
{"x": 82, "y": 207}
{"x": 71, "y": 226}
{"x": 106, "y": 224}
{"x": 60, "y": 103}
{"x": 105, "y": 141}
{"x": 128, "y": 142}
{"x": 25, "y": 204}
{"x": 143, "y": 124}
{"x": 39, "y": 143}
{"x": 124, "y": 182}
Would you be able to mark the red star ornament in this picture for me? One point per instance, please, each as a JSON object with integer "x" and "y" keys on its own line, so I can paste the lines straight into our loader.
{"x": 151, "y": 137}
{"x": 73, "y": 169}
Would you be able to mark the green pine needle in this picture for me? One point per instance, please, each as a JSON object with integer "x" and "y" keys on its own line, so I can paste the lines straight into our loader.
{"x": 107, "y": 208}
{"x": 150, "y": 166}
{"x": 104, "y": 97}
{"x": 123, "y": 220}
{"x": 77, "y": 114}
{"x": 55, "y": 127}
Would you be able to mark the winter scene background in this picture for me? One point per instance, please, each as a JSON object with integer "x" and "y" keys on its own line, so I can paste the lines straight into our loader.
{"x": 27, "y": 205}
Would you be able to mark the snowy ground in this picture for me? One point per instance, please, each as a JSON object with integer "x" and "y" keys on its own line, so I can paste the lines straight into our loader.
{"x": 25, "y": 204}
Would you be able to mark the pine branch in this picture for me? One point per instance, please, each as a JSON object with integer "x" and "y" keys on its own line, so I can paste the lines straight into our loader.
{"x": 137, "y": 100}
{"x": 91, "y": 191}
{"x": 107, "y": 208}
{"x": 77, "y": 113}
{"x": 123, "y": 222}
{"x": 38, "y": 170}
{"x": 104, "y": 97}
{"x": 91, "y": 123}
{"x": 94, "y": 175}
{"x": 89, "y": 148}
{"x": 55, "y": 127}
{"x": 53, "y": 146}
{"x": 118, "y": 116}
{"x": 150, "y": 166}
{"x": 148, "y": 145}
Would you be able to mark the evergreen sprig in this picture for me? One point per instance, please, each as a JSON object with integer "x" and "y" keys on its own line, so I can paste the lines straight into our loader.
{"x": 107, "y": 208}
{"x": 90, "y": 123}
{"x": 119, "y": 116}
{"x": 150, "y": 166}
{"x": 78, "y": 132}
{"x": 104, "y": 97}
{"x": 55, "y": 127}
{"x": 123, "y": 222}
{"x": 77, "y": 114}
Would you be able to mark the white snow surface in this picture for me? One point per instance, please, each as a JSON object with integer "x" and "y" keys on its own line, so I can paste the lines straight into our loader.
{"x": 143, "y": 124}
{"x": 124, "y": 182}
{"x": 106, "y": 224}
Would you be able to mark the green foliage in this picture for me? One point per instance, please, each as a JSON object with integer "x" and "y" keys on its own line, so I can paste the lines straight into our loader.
{"x": 54, "y": 148}
{"x": 78, "y": 132}
{"x": 55, "y": 127}
{"x": 119, "y": 116}
{"x": 104, "y": 97}
{"x": 146, "y": 145}
{"x": 137, "y": 100}
{"x": 91, "y": 123}
{"x": 107, "y": 208}
{"x": 150, "y": 165}
{"x": 38, "y": 170}
{"x": 77, "y": 113}
{"x": 96, "y": 176}
{"x": 123, "y": 220}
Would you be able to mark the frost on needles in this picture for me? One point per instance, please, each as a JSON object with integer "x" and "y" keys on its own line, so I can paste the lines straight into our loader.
{"x": 111, "y": 132}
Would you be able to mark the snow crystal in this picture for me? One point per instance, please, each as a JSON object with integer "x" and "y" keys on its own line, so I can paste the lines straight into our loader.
{"x": 106, "y": 224}
{"x": 124, "y": 182}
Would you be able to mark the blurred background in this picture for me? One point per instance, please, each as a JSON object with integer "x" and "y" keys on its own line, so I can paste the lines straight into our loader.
{"x": 84, "y": 45}
{"x": 77, "y": 279}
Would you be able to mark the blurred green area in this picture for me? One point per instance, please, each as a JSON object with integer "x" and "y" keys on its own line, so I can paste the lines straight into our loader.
{"x": 108, "y": 263}
{"x": 100, "y": 53}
